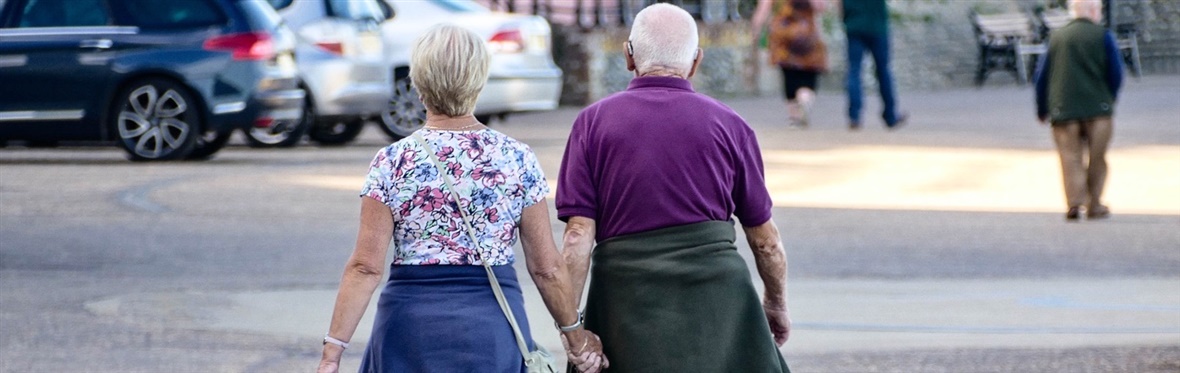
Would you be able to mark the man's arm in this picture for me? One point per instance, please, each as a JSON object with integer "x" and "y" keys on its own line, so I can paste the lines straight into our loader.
{"x": 771, "y": 261}
{"x": 1114, "y": 65}
{"x": 577, "y": 244}
{"x": 1041, "y": 83}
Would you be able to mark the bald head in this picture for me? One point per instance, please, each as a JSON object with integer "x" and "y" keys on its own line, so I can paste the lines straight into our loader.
{"x": 1089, "y": 9}
{"x": 663, "y": 36}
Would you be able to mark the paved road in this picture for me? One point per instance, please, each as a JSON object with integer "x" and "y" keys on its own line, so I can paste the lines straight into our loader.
{"x": 937, "y": 248}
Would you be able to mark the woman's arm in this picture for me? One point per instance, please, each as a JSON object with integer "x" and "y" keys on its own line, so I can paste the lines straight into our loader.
{"x": 548, "y": 271}
{"x": 761, "y": 13}
{"x": 362, "y": 275}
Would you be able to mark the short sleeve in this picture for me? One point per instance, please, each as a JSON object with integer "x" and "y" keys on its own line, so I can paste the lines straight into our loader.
{"x": 576, "y": 195}
{"x": 378, "y": 181}
{"x": 532, "y": 178}
{"x": 752, "y": 203}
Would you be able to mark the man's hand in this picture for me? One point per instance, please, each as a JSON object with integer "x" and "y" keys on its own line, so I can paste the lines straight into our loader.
{"x": 780, "y": 323}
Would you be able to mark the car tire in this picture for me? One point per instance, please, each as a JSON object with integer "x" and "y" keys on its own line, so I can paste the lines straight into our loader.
{"x": 156, "y": 119}
{"x": 486, "y": 119}
{"x": 282, "y": 134}
{"x": 208, "y": 144}
{"x": 405, "y": 113}
{"x": 336, "y": 132}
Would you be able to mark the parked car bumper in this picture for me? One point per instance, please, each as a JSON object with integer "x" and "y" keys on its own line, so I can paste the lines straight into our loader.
{"x": 520, "y": 90}
{"x": 343, "y": 88}
{"x": 276, "y": 99}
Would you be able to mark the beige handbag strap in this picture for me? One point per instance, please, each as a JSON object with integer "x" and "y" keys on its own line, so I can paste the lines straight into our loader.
{"x": 524, "y": 349}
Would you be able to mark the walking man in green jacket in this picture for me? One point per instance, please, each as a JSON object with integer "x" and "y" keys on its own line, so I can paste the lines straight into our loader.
{"x": 1077, "y": 83}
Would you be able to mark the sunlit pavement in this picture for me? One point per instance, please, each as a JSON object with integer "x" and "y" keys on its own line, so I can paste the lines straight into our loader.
{"x": 937, "y": 247}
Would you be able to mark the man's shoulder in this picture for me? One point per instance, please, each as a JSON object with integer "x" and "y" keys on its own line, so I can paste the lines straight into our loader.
{"x": 626, "y": 98}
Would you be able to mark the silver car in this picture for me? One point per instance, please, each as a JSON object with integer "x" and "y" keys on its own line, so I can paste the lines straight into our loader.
{"x": 343, "y": 64}
{"x": 522, "y": 77}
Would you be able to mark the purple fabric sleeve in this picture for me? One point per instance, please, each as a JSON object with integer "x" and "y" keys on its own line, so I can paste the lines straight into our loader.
{"x": 752, "y": 203}
{"x": 575, "y": 188}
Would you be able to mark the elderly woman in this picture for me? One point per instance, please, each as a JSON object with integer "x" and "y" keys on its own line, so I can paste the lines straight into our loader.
{"x": 438, "y": 311}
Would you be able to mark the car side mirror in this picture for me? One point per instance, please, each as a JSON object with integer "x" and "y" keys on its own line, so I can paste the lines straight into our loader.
{"x": 386, "y": 9}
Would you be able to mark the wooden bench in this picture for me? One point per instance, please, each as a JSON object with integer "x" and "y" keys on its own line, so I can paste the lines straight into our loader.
{"x": 1005, "y": 42}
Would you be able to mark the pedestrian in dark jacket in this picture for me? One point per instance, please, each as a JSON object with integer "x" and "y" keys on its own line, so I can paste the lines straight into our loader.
{"x": 1077, "y": 83}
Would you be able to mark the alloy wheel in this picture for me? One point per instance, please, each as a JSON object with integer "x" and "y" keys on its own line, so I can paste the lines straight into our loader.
{"x": 153, "y": 125}
{"x": 406, "y": 113}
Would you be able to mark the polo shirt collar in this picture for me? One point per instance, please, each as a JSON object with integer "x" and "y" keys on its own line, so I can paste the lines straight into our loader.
{"x": 660, "y": 82}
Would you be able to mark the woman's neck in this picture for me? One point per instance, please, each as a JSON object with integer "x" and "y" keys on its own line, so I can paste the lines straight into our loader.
{"x": 444, "y": 122}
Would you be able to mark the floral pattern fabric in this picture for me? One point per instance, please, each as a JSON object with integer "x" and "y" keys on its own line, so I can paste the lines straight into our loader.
{"x": 495, "y": 176}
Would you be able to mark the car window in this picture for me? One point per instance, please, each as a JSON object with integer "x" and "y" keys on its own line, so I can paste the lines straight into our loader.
{"x": 155, "y": 14}
{"x": 354, "y": 9}
{"x": 260, "y": 14}
{"x": 57, "y": 13}
{"x": 280, "y": 4}
{"x": 461, "y": 6}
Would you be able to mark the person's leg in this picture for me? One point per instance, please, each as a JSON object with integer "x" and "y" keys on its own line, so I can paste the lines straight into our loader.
{"x": 1099, "y": 131}
{"x": 1067, "y": 136}
{"x": 856, "y": 50}
{"x": 790, "y": 91}
{"x": 805, "y": 95}
{"x": 879, "y": 46}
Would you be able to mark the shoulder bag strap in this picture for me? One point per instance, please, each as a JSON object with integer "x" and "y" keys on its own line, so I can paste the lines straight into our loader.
{"x": 520, "y": 342}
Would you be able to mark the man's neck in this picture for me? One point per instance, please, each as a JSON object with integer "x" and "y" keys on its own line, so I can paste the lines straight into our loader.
{"x": 663, "y": 72}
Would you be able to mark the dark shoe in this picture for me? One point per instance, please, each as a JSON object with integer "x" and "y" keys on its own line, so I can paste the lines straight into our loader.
{"x": 1097, "y": 212}
{"x": 902, "y": 117}
{"x": 1072, "y": 214}
{"x": 854, "y": 126}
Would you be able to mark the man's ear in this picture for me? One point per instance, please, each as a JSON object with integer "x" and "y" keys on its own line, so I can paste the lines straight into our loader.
{"x": 630, "y": 55}
{"x": 696, "y": 62}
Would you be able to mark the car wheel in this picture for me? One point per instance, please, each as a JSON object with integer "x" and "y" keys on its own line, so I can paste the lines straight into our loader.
{"x": 209, "y": 143}
{"x": 336, "y": 132}
{"x": 405, "y": 113}
{"x": 156, "y": 119}
{"x": 281, "y": 133}
{"x": 486, "y": 119}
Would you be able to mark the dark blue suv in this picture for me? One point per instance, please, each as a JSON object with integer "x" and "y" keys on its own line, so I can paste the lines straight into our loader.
{"x": 164, "y": 79}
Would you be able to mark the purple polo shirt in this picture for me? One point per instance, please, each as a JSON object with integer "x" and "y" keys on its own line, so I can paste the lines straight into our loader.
{"x": 659, "y": 155}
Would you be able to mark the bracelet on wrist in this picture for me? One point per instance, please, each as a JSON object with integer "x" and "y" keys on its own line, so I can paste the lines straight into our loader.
{"x": 569, "y": 328}
{"x": 328, "y": 339}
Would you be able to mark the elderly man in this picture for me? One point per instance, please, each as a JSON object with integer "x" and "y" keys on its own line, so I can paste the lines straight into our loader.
{"x": 1077, "y": 83}
{"x": 655, "y": 174}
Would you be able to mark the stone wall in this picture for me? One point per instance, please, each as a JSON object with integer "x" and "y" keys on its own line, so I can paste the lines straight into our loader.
{"x": 933, "y": 47}
{"x": 595, "y": 67}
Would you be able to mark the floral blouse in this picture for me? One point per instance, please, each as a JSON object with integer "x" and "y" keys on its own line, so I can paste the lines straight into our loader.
{"x": 496, "y": 178}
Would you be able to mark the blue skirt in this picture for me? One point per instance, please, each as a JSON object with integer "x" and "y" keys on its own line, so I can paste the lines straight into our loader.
{"x": 445, "y": 318}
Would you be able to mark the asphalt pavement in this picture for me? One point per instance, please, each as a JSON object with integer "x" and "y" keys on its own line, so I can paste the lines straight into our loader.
{"x": 939, "y": 247}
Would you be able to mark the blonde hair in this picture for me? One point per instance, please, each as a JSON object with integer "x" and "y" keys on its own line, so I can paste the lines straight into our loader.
{"x": 449, "y": 67}
{"x": 664, "y": 35}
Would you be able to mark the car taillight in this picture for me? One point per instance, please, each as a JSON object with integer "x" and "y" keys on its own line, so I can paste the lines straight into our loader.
{"x": 506, "y": 41}
{"x": 333, "y": 47}
{"x": 249, "y": 46}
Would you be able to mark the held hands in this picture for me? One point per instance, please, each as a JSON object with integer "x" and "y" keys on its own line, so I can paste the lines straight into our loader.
{"x": 780, "y": 322}
{"x": 586, "y": 355}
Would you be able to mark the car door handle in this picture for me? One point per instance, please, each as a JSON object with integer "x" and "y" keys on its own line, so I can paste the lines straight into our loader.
{"x": 97, "y": 43}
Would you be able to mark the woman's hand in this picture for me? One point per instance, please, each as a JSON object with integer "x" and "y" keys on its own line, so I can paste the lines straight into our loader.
{"x": 587, "y": 356}
{"x": 328, "y": 367}
{"x": 330, "y": 361}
